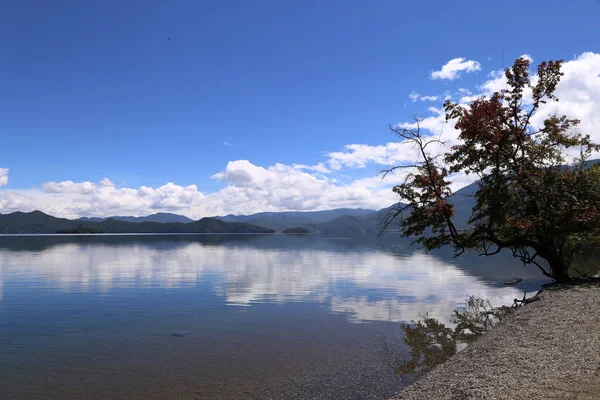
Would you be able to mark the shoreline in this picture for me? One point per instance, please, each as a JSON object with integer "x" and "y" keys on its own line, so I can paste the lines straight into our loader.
{"x": 547, "y": 349}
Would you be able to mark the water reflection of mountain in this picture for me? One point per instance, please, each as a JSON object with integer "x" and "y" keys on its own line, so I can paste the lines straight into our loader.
{"x": 494, "y": 269}
{"x": 41, "y": 242}
{"x": 366, "y": 280}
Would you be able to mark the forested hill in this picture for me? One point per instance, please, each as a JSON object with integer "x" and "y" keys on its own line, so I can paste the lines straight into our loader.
{"x": 291, "y": 219}
{"x": 158, "y": 217}
{"x": 38, "y": 222}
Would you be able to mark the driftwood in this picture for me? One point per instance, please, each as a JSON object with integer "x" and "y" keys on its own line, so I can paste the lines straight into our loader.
{"x": 525, "y": 300}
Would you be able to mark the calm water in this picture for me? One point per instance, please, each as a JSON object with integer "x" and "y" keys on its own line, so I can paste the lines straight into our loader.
{"x": 225, "y": 316}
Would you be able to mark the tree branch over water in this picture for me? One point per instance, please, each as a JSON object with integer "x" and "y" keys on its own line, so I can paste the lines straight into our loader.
{"x": 534, "y": 197}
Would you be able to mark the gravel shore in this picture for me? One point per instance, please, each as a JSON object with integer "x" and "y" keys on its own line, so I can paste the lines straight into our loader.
{"x": 548, "y": 349}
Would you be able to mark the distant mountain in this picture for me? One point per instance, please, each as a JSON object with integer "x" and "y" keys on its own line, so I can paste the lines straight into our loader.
{"x": 93, "y": 219}
{"x": 163, "y": 218}
{"x": 328, "y": 222}
{"x": 292, "y": 219}
{"x": 350, "y": 224}
{"x": 370, "y": 223}
{"x": 296, "y": 231}
{"x": 464, "y": 201}
{"x": 34, "y": 222}
{"x": 38, "y": 222}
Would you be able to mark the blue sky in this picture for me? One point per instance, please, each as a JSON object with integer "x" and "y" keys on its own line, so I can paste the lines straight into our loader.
{"x": 148, "y": 92}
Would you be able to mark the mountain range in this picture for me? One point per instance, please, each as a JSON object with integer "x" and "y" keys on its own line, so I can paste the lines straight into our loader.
{"x": 163, "y": 218}
{"x": 38, "y": 222}
{"x": 293, "y": 219}
{"x": 348, "y": 220}
{"x": 328, "y": 222}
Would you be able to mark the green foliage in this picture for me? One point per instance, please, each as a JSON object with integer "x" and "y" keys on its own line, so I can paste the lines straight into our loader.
{"x": 529, "y": 200}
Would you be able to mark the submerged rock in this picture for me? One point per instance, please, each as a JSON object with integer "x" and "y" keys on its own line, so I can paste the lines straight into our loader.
{"x": 181, "y": 333}
{"x": 513, "y": 281}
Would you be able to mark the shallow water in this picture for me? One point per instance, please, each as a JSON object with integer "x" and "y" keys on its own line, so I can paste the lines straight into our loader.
{"x": 225, "y": 316}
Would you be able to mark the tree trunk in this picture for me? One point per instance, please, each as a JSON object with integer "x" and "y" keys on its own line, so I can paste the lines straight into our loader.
{"x": 560, "y": 271}
{"x": 558, "y": 268}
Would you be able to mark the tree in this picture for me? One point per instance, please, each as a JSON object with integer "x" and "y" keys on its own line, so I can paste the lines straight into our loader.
{"x": 531, "y": 198}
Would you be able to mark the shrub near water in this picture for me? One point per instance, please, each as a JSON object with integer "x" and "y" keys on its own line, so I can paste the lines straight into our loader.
{"x": 431, "y": 342}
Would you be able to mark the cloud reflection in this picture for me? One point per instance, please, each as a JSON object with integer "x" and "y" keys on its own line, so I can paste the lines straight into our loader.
{"x": 366, "y": 285}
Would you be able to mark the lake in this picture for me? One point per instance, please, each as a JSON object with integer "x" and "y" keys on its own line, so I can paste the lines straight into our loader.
{"x": 224, "y": 316}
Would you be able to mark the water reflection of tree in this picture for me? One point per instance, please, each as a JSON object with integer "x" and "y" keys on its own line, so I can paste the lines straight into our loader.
{"x": 431, "y": 342}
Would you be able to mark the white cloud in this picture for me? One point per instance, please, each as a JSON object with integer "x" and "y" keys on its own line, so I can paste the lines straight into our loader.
{"x": 579, "y": 94}
{"x": 466, "y": 96}
{"x": 11, "y": 201}
{"x": 105, "y": 182}
{"x": 414, "y": 96}
{"x": 452, "y": 69}
{"x": 359, "y": 155}
{"x": 527, "y": 57}
{"x": 74, "y": 199}
{"x": 227, "y": 144}
{"x": 468, "y": 99}
{"x": 320, "y": 167}
{"x": 249, "y": 188}
{"x": 252, "y": 188}
{"x": 396, "y": 153}
{"x": 70, "y": 187}
{"x": 4, "y": 176}
{"x": 495, "y": 83}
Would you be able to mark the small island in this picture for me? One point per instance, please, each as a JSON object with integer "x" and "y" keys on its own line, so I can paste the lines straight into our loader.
{"x": 296, "y": 231}
{"x": 80, "y": 229}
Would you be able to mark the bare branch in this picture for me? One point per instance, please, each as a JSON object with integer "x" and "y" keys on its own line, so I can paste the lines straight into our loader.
{"x": 385, "y": 172}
